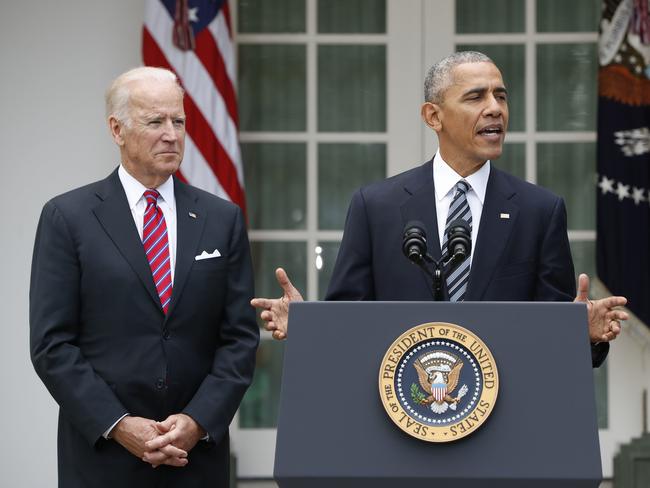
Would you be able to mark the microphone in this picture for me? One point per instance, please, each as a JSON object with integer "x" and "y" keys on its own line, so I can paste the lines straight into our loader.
{"x": 459, "y": 240}
{"x": 414, "y": 241}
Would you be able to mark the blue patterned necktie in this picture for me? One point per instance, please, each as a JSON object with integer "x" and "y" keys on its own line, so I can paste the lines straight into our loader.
{"x": 459, "y": 209}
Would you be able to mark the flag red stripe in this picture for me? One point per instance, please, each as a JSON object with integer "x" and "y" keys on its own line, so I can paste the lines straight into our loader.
{"x": 210, "y": 56}
{"x": 208, "y": 145}
{"x": 226, "y": 14}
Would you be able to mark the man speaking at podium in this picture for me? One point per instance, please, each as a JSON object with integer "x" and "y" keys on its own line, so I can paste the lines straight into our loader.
{"x": 520, "y": 248}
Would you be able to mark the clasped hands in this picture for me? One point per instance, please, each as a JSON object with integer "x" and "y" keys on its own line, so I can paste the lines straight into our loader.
{"x": 167, "y": 442}
{"x": 604, "y": 315}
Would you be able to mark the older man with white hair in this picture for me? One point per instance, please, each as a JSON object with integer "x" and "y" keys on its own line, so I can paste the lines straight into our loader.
{"x": 140, "y": 324}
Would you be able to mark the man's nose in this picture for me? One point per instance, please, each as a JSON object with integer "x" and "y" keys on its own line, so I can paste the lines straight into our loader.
{"x": 169, "y": 131}
{"x": 494, "y": 107}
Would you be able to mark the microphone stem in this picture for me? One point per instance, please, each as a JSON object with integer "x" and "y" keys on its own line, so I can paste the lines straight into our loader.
{"x": 437, "y": 283}
{"x": 436, "y": 275}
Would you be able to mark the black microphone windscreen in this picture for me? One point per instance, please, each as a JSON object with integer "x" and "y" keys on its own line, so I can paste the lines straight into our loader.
{"x": 414, "y": 241}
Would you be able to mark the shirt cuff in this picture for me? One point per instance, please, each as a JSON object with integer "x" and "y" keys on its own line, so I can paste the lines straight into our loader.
{"x": 107, "y": 433}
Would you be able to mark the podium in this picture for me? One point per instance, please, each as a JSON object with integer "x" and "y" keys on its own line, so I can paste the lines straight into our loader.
{"x": 333, "y": 430}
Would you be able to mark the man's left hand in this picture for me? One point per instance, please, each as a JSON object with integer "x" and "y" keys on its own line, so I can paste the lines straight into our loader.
{"x": 179, "y": 430}
{"x": 603, "y": 315}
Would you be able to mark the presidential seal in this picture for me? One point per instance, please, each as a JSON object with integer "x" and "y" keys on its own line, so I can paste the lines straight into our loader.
{"x": 438, "y": 382}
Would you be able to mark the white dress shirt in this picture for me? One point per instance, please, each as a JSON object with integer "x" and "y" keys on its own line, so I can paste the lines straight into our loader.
{"x": 137, "y": 203}
{"x": 445, "y": 179}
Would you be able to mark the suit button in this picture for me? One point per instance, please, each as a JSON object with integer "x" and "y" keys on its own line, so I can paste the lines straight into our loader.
{"x": 160, "y": 383}
{"x": 166, "y": 334}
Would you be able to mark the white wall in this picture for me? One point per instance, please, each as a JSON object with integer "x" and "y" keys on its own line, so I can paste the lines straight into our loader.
{"x": 57, "y": 58}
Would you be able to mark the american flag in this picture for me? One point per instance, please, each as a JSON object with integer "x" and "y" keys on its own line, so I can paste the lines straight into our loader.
{"x": 193, "y": 39}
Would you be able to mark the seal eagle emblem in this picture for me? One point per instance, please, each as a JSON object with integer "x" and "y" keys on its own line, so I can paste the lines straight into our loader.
{"x": 438, "y": 373}
{"x": 438, "y": 382}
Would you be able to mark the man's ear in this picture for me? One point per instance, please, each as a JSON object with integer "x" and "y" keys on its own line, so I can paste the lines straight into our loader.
{"x": 117, "y": 130}
{"x": 432, "y": 116}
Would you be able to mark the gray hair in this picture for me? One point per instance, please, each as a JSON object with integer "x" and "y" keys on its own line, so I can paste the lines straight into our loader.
{"x": 119, "y": 93}
{"x": 439, "y": 77}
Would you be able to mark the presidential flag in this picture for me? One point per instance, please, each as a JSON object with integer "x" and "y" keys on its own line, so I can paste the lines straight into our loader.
{"x": 623, "y": 202}
{"x": 193, "y": 39}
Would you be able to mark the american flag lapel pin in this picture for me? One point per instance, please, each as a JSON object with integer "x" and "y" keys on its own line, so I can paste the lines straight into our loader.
{"x": 504, "y": 215}
{"x": 192, "y": 214}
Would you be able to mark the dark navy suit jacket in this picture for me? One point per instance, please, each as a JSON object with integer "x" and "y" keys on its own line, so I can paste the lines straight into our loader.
{"x": 522, "y": 251}
{"x": 103, "y": 347}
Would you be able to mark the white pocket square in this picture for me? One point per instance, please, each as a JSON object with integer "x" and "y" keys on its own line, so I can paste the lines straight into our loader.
{"x": 208, "y": 255}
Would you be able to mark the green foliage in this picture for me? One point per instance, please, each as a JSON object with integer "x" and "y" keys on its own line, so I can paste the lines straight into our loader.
{"x": 417, "y": 395}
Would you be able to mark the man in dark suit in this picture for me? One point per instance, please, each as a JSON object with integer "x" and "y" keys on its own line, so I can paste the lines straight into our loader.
{"x": 140, "y": 324}
{"x": 521, "y": 249}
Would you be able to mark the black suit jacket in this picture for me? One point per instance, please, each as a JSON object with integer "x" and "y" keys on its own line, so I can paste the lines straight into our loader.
{"x": 522, "y": 251}
{"x": 103, "y": 347}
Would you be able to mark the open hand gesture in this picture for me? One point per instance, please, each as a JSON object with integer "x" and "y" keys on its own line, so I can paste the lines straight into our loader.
{"x": 275, "y": 311}
{"x": 604, "y": 315}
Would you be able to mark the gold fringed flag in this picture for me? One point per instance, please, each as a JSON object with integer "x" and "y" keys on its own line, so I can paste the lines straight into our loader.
{"x": 623, "y": 202}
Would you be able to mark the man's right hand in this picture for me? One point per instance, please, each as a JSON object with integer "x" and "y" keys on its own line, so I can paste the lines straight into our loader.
{"x": 275, "y": 311}
{"x": 133, "y": 432}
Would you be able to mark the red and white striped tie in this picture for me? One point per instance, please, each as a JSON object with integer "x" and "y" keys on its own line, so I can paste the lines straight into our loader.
{"x": 156, "y": 247}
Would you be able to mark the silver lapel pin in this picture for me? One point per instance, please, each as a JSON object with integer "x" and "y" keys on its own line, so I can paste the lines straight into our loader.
{"x": 505, "y": 215}
{"x": 192, "y": 214}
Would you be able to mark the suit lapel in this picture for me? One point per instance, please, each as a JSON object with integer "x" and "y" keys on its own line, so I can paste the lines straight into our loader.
{"x": 115, "y": 217}
{"x": 420, "y": 205}
{"x": 190, "y": 220}
{"x": 497, "y": 221}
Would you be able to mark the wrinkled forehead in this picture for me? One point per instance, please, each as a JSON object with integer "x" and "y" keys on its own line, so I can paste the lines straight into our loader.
{"x": 155, "y": 95}
{"x": 471, "y": 75}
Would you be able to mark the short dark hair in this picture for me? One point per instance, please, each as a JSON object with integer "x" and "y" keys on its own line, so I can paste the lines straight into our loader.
{"x": 438, "y": 77}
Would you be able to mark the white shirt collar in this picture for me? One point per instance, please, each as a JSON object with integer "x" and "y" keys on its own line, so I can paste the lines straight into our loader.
{"x": 446, "y": 178}
{"x": 134, "y": 189}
